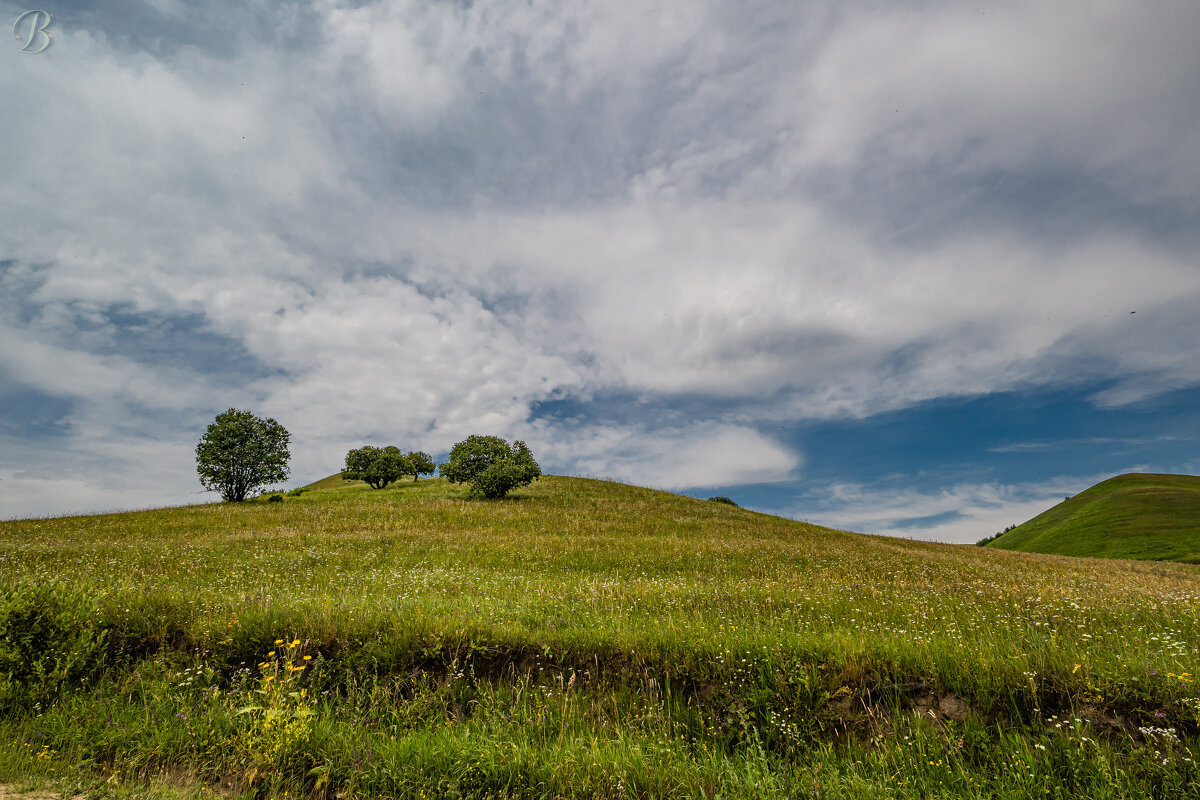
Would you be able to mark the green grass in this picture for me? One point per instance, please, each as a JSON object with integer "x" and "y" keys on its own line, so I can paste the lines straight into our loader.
{"x": 580, "y": 639}
{"x": 1140, "y": 516}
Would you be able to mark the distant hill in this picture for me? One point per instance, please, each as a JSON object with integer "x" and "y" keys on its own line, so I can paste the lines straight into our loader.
{"x": 1141, "y": 516}
{"x": 334, "y": 481}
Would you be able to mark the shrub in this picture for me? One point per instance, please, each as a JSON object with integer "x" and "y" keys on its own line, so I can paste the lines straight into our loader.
{"x": 296, "y": 492}
{"x": 988, "y": 539}
{"x": 51, "y": 640}
{"x": 421, "y": 463}
{"x": 490, "y": 465}
{"x": 378, "y": 466}
{"x": 275, "y": 498}
{"x": 723, "y": 499}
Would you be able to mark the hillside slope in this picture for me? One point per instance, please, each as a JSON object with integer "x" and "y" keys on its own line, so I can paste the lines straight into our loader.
{"x": 582, "y": 639}
{"x": 334, "y": 481}
{"x": 1139, "y": 516}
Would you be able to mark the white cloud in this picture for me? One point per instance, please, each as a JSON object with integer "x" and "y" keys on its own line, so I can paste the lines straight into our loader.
{"x": 435, "y": 217}
{"x": 697, "y": 456}
{"x": 97, "y": 469}
{"x": 1105, "y": 88}
{"x": 746, "y": 300}
{"x": 1058, "y": 444}
{"x": 970, "y": 511}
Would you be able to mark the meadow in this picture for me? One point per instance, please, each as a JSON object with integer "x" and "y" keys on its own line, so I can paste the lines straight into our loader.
{"x": 579, "y": 639}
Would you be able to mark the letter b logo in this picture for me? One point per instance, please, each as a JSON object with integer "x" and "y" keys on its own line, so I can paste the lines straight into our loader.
{"x": 35, "y": 23}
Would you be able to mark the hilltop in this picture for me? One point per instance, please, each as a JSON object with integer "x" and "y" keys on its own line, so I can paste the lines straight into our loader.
{"x": 580, "y": 639}
{"x": 1137, "y": 516}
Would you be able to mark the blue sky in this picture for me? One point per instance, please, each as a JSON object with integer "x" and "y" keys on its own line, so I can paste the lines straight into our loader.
{"x": 905, "y": 268}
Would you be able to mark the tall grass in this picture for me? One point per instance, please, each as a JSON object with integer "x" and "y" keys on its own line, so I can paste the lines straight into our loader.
{"x": 585, "y": 638}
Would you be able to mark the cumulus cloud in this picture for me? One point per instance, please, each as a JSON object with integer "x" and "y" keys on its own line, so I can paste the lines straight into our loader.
{"x": 1103, "y": 89}
{"x": 413, "y": 221}
{"x": 747, "y": 300}
{"x": 698, "y": 456}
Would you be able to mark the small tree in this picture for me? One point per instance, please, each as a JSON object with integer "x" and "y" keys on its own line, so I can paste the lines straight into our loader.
{"x": 378, "y": 466}
{"x": 240, "y": 453}
{"x": 421, "y": 463}
{"x": 490, "y": 465}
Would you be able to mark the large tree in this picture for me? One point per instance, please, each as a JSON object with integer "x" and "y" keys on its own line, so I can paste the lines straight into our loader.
{"x": 490, "y": 465}
{"x": 378, "y": 466}
{"x": 239, "y": 453}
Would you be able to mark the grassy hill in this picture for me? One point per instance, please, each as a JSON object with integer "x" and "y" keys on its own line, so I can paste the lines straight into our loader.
{"x": 1142, "y": 516}
{"x": 334, "y": 481}
{"x": 579, "y": 639}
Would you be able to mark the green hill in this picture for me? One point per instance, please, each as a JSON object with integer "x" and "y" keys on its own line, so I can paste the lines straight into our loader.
{"x": 334, "y": 481}
{"x": 579, "y": 639}
{"x": 1139, "y": 516}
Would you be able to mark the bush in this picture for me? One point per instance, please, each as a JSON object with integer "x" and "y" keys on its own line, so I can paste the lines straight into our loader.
{"x": 988, "y": 539}
{"x": 378, "y": 466}
{"x": 296, "y": 492}
{"x": 723, "y": 499}
{"x": 275, "y": 498}
{"x": 51, "y": 640}
{"x": 421, "y": 463}
{"x": 490, "y": 465}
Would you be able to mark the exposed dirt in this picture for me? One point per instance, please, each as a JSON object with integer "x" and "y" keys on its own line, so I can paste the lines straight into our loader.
{"x": 843, "y": 709}
{"x": 1107, "y": 723}
{"x": 13, "y": 793}
{"x": 953, "y": 707}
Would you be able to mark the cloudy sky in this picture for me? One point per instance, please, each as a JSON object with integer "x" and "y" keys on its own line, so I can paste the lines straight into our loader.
{"x": 870, "y": 264}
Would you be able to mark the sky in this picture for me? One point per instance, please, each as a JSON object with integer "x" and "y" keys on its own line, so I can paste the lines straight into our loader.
{"x": 908, "y": 268}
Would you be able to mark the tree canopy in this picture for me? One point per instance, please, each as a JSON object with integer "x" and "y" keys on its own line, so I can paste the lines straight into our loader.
{"x": 240, "y": 453}
{"x": 421, "y": 463}
{"x": 378, "y": 466}
{"x": 490, "y": 465}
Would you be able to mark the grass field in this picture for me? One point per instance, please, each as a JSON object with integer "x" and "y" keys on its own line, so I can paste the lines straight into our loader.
{"x": 1142, "y": 516}
{"x": 580, "y": 639}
